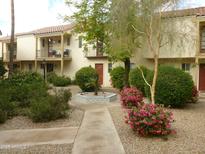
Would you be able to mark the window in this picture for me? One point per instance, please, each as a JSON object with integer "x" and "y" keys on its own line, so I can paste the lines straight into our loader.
{"x": 80, "y": 41}
{"x": 109, "y": 67}
{"x": 186, "y": 67}
{"x": 203, "y": 38}
{"x": 30, "y": 67}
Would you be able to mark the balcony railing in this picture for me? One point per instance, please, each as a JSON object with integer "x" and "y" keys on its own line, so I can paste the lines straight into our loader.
{"x": 53, "y": 54}
{"x": 92, "y": 53}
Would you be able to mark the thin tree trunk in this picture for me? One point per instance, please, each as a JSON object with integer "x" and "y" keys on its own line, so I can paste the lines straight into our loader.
{"x": 11, "y": 40}
{"x": 127, "y": 71}
{"x": 154, "y": 81}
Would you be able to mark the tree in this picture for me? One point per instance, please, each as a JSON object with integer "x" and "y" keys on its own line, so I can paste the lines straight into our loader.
{"x": 156, "y": 30}
{"x": 90, "y": 21}
{"x": 11, "y": 54}
{"x": 123, "y": 40}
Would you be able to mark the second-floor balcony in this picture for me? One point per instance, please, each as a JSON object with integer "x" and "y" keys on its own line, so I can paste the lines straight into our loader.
{"x": 93, "y": 53}
{"x": 50, "y": 48}
{"x": 54, "y": 54}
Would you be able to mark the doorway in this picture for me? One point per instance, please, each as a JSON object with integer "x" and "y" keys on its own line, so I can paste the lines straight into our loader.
{"x": 99, "y": 69}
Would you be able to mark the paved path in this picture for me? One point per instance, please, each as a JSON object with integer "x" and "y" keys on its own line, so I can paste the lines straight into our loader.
{"x": 24, "y": 137}
{"x": 97, "y": 134}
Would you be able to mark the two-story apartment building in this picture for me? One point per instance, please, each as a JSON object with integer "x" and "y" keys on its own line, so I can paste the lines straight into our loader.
{"x": 188, "y": 50}
{"x": 62, "y": 51}
{"x": 57, "y": 48}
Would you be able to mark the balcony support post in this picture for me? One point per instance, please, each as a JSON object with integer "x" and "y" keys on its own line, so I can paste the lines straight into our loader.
{"x": 62, "y": 54}
{"x": 36, "y": 54}
{"x": 197, "y": 55}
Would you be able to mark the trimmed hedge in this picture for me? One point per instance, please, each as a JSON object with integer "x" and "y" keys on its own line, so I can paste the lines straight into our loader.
{"x": 136, "y": 79}
{"x": 61, "y": 81}
{"x": 58, "y": 81}
{"x": 86, "y": 79}
{"x": 173, "y": 88}
{"x": 117, "y": 77}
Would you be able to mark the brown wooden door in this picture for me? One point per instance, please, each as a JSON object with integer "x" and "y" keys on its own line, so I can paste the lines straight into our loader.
{"x": 202, "y": 77}
{"x": 99, "y": 69}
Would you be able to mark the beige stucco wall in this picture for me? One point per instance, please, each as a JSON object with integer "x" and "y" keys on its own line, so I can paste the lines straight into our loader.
{"x": 79, "y": 60}
{"x": 184, "y": 39}
{"x": 26, "y": 47}
{"x": 1, "y": 52}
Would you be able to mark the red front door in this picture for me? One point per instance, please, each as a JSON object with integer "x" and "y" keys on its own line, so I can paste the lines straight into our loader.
{"x": 202, "y": 77}
{"x": 99, "y": 69}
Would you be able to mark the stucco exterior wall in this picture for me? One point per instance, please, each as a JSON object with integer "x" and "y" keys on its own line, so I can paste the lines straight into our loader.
{"x": 79, "y": 60}
{"x": 26, "y": 47}
{"x": 1, "y": 52}
{"x": 184, "y": 39}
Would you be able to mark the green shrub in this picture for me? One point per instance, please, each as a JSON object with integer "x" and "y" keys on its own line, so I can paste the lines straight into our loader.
{"x": 136, "y": 79}
{"x": 51, "y": 77}
{"x": 3, "y": 116}
{"x": 58, "y": 81}
{"x": 61, "y": 81}
{"x": 49, "y": 108}
{"x": 22, "y": 87}
{"x": 174, "y": 87}
{"x": 2, "y": 69}
{"x": 23, "y": 94}
{"x": 117, "y": 77}
{"x": 85, "y": 79}
{"x": 25, "y": 78}
{"x": 6, "y": 103}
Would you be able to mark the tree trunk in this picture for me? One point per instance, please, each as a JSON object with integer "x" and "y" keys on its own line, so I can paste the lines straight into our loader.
{"x": 127, "y": 71}
{"x": 11, "y": 54}
{"x": 99, "y": 48}
{"x": 154, "y": 81}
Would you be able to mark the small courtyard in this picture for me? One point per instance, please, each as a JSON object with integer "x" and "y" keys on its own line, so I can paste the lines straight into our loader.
{"x": 102, "y": 77}
{"x": 60, "y": 136}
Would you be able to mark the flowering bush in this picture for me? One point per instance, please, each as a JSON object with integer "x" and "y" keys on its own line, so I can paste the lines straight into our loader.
{"x": 150, "y": 119}
{"x": 131, "y": 97}
{"x": 195, "y": 95}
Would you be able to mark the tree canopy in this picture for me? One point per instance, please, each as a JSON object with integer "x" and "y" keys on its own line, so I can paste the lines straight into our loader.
{"x": 90, "y": 21}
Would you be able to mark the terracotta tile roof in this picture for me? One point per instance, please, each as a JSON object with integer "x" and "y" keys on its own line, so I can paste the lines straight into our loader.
{"x": 53, "y": 29}
{"x": 45, "y": 30}
{"x": 200, "y": 11}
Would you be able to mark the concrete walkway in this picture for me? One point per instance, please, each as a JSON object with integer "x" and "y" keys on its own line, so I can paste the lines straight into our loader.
{"x": 97, "y": 134}
{"x": 15, "y": 138}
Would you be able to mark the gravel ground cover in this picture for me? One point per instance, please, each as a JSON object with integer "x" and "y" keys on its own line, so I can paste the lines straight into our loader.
{"x": 20, "y": 122}
{"x": 40, "y": 149}
{"x": 73, "y": 120}
{"x": 190, "y": 138}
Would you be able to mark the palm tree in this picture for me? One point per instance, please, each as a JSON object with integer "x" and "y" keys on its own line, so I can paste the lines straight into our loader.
{"x": 11, "y": 40}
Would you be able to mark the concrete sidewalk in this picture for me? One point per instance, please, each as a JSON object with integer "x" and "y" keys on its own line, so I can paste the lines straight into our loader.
{"x": 97, "y": 134}
{"x": 15, "y": 138}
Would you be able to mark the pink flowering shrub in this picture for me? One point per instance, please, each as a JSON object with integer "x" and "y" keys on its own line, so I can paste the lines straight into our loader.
{"x": 195, "y": 95}
{"x": 150, "y": 119}
{"x": 131, "y": 97}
